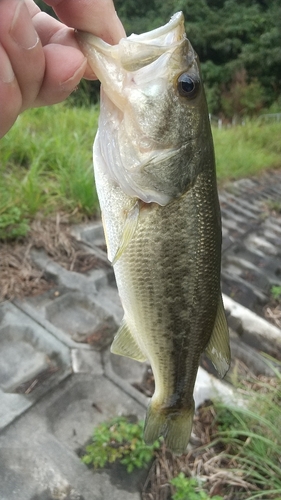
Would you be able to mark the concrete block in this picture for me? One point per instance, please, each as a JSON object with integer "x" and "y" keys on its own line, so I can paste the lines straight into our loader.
{"x": 41, "y": 468}
{"x": 68, "y": 279}
{"x": 37, "y": 452}
{"x": 253, "y": 329}
{"x": 32, "y": 361}
{"x": 92, "y": 234}
{"x": 78, "y": 315}
{"x": 83, "y": 402}
{"x": 209, "y": 387}
{"x": 129, "y": 369}
{"x": 86, "y": 361}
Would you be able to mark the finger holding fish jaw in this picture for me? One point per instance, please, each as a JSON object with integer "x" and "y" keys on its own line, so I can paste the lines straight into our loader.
{"x": 40, "y": 60}
{"x": 95, "y": 16}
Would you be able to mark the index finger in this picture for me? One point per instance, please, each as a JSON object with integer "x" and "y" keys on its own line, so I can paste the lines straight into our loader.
{"x": 95, "y": 16}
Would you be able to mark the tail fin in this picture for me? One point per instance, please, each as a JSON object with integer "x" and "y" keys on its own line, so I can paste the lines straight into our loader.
{"x": 175, "y": 426}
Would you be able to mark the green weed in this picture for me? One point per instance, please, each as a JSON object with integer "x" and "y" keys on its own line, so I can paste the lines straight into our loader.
{"x": 13, "y": 224}
{"x": 189, "y": 489}
{"x": 119, "y": 440}
{"x": 46, "y": 162}
{"x": 247, "y": 150}
{"x": 276, "y": 292}
{"x": 251, "y": 436}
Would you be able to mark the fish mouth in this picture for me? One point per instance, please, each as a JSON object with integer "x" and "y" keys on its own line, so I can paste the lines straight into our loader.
{"x": 133, "y": 52}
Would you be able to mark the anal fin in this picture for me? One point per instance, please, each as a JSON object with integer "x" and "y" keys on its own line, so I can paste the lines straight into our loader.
{"x": 124, "y": 344}
{"x": 218, "y": 350}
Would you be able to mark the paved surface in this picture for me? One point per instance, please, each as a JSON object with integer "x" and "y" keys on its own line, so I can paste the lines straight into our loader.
{"x": 58, "y": 379}
{"x": 251, "y": 239}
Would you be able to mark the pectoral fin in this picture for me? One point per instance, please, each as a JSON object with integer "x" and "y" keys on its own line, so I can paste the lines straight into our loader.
{"x": 130, "y": 226}
{"x": 218, "y": 350}
{"x": 124, "y": 344}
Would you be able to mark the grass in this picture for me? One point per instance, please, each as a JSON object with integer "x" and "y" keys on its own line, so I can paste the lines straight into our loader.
{"x": 46, "y": 162}
{"x": 251, "y": 436}
{"x": 247, "y": 150}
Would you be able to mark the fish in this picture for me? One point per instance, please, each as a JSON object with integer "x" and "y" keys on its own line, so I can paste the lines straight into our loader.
{"x": 155, "y": 176}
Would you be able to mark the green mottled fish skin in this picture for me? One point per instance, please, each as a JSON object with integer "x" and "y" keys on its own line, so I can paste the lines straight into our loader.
{"x": 168, "y": 269}
{"x": 172, "y": 272}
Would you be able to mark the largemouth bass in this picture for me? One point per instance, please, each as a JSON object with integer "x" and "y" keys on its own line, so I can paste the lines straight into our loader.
{"x": 155, "y": 177}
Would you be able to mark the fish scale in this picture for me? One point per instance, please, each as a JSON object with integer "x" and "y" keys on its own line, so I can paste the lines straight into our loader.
{"x": 155, "y": 177}
{"x": 169, "y": 281}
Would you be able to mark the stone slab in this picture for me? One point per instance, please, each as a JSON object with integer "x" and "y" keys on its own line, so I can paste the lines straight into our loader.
{"x": 252, "y": 329}
{"x": 32, "y": 362}
{"x": 37, "y": 452}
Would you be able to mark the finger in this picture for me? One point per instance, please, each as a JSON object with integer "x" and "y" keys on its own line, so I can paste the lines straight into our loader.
{"x": 32, "y": 7}
{"x": 52, "y": 31}
{"x": 22, "y": 46}
{"x": 96, "y": 16}
{"x": 61, "y": 78}
{"x": 10, "y": 94}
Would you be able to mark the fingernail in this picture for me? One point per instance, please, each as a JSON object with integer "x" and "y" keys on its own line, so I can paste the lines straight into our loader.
{"x": 7, "y": 74}
{"x": 22, "y": 29}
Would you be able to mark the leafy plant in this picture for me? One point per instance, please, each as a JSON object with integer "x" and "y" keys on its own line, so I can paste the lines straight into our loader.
{"x": 119, "y": 440}
{"x": 276, "y": 292}
{"x": 189, "y": 489}
{"x": 13, "y": 224}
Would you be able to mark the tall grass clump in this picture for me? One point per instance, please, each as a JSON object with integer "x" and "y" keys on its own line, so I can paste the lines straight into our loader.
{"x": 247, "y": 149}
{"x": 252, "y": 437}
{"x": 46, "y": 162}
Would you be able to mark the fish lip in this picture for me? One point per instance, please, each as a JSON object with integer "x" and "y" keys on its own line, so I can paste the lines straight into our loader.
{"x": 175, "y": 21}
{"x": 87, "y": 39}
{"x": 115, "y": 65}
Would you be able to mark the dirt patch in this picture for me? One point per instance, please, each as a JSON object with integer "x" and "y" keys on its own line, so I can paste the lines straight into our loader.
{"x": 21, "y": 277}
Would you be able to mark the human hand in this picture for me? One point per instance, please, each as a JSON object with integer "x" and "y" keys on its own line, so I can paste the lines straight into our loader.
{"x": 40, "y": 60}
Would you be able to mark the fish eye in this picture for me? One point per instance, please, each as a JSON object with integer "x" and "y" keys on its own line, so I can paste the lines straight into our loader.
{"x": 188, "y": 86}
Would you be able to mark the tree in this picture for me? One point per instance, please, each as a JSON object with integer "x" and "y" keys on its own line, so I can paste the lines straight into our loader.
{"x": 231, "y": 37}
